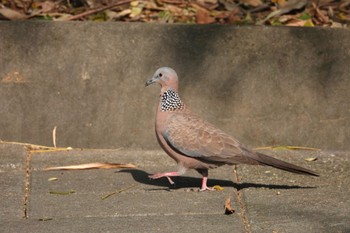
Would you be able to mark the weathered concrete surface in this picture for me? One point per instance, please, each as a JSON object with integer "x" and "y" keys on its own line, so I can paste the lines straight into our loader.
{"x": 320, "y": 205}
{"x": 148, "y": 207}
{"x": 12, "y": 182}
{"x": 265, "y": 85}
{"x": 265, "y": 199}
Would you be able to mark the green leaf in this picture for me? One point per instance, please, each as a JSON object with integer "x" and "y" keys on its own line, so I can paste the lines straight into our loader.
{"x": 62, "y": 192}
{"x": 305, "y": 16}
{"x": 309, "y": 23}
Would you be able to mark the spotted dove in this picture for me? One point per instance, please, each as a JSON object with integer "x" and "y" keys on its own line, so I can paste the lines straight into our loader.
{"x": 196, "y": 144}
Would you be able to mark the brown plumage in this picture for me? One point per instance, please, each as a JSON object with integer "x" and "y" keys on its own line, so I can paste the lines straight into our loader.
{"x": 196, "y": 144}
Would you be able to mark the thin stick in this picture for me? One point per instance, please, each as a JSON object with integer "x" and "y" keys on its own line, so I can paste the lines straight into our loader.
{"x": 93, "y": 11}
{"x": 54, "y": 136}
{"x": 36, "y": 148}
{"x": 286, "y": 148}
{"x": 118, "y": 191}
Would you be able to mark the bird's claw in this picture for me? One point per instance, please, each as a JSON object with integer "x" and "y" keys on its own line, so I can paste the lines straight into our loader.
{"x": 155, "y": 176}
{"x": 205, "y": 189}
{"x": 159, "y": 175}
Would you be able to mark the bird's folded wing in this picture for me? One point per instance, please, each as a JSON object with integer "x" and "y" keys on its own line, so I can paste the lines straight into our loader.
{"x": 192, "y": 136}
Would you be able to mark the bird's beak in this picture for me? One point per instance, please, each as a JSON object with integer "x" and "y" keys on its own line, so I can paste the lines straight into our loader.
{"x": 151, "y": 81}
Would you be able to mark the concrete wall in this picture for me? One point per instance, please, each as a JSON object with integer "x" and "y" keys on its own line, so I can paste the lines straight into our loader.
{"x": 265, "y": 85}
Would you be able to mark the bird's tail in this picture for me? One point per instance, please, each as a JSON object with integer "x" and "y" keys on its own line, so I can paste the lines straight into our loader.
{"x": 276, "y": 163}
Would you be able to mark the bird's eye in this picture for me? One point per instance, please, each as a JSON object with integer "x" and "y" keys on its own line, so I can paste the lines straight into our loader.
{"x": 160, "y": 74}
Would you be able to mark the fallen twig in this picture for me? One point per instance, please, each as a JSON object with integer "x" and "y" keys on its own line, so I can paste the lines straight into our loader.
{"x": 96, "y": 10}
{"x": 288, "y": 7}
{"x": 117, "y": 192}
{"x": 62, "y": 192}
{"x": 319, "y": 13}
{"x": 54, "y": 136}
{"x": 37, "y": 148}
{"x": 285, "y": 148}
{"x": 86, "y": 166}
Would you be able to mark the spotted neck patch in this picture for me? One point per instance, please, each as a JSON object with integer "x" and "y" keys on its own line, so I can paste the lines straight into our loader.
{"x": 170, "y": 101}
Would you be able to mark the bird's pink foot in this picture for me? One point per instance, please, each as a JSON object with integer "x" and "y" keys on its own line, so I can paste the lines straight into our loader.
{"x": 206, "y": 189}
{"x": 166, "y": 174}
{"x": 204, "y": 185}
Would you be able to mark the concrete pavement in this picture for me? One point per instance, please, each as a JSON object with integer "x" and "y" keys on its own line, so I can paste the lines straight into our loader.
{"x": 265, "y": 199}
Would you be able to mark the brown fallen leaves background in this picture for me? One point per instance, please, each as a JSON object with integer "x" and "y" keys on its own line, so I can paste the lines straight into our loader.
{"x": 326, "y": 13}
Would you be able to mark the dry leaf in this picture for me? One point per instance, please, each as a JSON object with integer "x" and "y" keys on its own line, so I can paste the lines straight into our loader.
{"x": 337, "y": 25}
{"x": 288, "y": 7}
{"x": 12, "y": 14}
{"x": 309, "y": 23}
{"x": 234, "y": 16}
{"x": 113, "y": 15}
{"x": 175, "y": 2}
{"x": 152, "y": 6}
{"x": 218, "y": 188}
{"x": 203, "y": 17}
{"x": 59, "y": 16}
{"x": 311, "y": 159}
{"x": 134, "y": 3}
{"x": 14, "y": 77}
{"x": 253, "y": 3}
{"x": 320, "y": 14}
{"x": 91, "y": 166}
{"x": 293, "y": 5}
{"x": 52, "y": 179}
{"x": 135, "y": 11}
{"x": 228, "y": 209}
{"x": 286, "y": 18}
{"x": 48, "y": 6}
{"x": 296, "y": 23}
{"x": 62, "y": 192}
{"x": 280, "y": 3}
{"x": 229, "y": 4}
{"x": 45, "y": 219}
{"x": 208, "y": 4}
{"x": 174, "y": 9}
{"x": 207, "y": 1}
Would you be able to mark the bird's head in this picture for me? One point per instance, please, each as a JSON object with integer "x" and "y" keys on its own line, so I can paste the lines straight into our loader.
{"x": 166, "y": 77}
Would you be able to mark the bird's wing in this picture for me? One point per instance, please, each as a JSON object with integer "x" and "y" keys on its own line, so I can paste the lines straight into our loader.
{"x": 192, "y": 136}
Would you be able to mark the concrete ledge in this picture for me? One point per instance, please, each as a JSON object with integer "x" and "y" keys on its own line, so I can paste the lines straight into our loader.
{"x": 265, "y": 85}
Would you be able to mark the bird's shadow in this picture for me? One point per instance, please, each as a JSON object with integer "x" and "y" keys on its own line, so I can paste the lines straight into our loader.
{"x": 141, "y": 176}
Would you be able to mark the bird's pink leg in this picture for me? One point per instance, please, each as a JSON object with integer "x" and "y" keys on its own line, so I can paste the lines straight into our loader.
{"x": 167, "y": 175}
{"x": 204, "y": 185}
{"x": 204, "y": 173}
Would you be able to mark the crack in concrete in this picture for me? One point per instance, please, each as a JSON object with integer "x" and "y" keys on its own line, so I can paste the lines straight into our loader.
{"x": 27, "y": 183}
{"x": 243, "y": 215}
